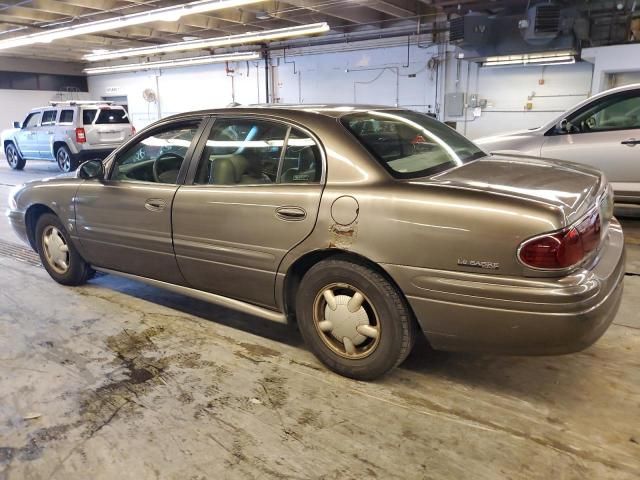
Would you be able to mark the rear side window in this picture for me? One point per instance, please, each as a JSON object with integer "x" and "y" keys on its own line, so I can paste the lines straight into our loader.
{"x": 66, "y": 116}
{"x": 112, "y": 115}
{"x": 88, "y": 115}
{"x": 49, "y": 117}
{"x": 302, "y": 160}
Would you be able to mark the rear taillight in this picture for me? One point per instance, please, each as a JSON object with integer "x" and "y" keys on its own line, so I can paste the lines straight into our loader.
{"x": 565, "y": 248}
{"x": 81, "y": 137}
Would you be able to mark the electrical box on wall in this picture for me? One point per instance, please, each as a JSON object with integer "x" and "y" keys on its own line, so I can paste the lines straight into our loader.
{"x": 454, "y": 104}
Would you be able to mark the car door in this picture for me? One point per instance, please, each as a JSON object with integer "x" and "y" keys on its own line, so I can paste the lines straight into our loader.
{"x": 124, "y": 221}
{"x": 606, "y": 135}
{"x": 251, "y": 197}
{"x": 27, "y": 136}
{"x": 44, "y": 135}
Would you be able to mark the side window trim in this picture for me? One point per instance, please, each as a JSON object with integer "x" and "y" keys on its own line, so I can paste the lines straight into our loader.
{"x": 157, "y": 129}
{"x": 197, "y": 153}
{"x": 283, "y": 154}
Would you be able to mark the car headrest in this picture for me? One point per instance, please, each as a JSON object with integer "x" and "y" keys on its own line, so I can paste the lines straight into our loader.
{"x": 307, "y": 159}
{"x": 228, "y": 170}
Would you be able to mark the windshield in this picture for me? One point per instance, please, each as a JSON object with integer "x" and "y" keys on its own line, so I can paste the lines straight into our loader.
{"x": 409, "y": 144}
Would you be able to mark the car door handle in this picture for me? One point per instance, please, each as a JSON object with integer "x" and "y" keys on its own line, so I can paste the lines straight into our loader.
{"x": 291, "y": 213}
{"x": 49, "y": 133}
{"x": 155, "y": 205}
{"x": 630, "y": 142}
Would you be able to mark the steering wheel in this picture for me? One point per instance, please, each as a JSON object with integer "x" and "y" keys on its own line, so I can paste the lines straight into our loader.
{"x": 164, "y": 158}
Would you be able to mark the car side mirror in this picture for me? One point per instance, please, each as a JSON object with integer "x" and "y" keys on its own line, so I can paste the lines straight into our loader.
{"x": 91, "y": 169}
{"x": 17, "y": 124}
{"x": 563, "y": 126}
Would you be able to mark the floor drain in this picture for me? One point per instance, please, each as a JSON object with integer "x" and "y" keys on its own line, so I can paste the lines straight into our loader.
{"x": 20, "y": 253}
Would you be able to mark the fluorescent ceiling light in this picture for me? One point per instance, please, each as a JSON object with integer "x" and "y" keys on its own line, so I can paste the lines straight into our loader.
{"x": 549, "y": 58}
{"x": 180, "y": 62}
{"x": 167, "y": 14}
{"x": 250, "y": 37}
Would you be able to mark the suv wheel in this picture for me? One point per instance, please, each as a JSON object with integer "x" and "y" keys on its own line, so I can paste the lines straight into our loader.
{"x": 353, "y": 319}
{"x": 58, "y": 255}
{"x": 65, "y": 160}
{"x": 14, "y": 159}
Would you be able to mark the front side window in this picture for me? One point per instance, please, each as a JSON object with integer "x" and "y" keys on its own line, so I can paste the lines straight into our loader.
{"x": 32, "y": 120}
{"x": 49, "y": 117}
{"x": 112, "y": 115}
{"x": 409, "y": 144}
{"x": 158, "y": 157}
{"x": 66, "y": 117}
{"x": 616, "y": 112}
{"x": 242, "y": 151}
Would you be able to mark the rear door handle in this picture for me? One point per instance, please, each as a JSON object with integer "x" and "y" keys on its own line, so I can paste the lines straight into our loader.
{"x": 291, "y": 213}
{"x": 630, "y": 142}
{"x": 155, "y": 205}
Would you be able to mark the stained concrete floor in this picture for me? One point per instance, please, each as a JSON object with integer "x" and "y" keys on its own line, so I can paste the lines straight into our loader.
{"x": 120, "y": 380}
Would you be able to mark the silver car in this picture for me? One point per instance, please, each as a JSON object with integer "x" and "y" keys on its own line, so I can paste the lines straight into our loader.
{"x": 67, "y": 133}
{"x": 366, "y": 225}
{"x": 602, "y": 131}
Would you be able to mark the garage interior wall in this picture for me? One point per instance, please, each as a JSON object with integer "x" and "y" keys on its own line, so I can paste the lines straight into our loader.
{"x": 17, "y": 103}
{"x": 366, "y": 73}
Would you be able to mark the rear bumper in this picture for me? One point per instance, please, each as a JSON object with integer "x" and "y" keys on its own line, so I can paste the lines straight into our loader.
{"x": 93, "y": 154}
{"x": 486, "y": 313}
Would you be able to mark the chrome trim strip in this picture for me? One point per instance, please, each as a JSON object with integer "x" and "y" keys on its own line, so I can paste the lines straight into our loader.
{"x": 231, "y": 303}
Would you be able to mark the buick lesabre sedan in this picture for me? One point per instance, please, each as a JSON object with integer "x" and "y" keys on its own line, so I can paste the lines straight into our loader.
{"x": 366, "y": 225}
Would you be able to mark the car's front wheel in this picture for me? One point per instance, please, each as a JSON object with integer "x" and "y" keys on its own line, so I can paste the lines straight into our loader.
{"x": 14, "y": 159}
{"x": 353, "y": 319}
{"x": 58, "y": 255}
{"x": 66, "y": 162}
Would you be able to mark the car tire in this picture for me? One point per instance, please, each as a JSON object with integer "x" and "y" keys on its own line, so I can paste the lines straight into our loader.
{"x": 58, "y": 254}
{"x": 14, "y": 159}
{"x": 65, "y": 160}
{"x": 376, "y": 337}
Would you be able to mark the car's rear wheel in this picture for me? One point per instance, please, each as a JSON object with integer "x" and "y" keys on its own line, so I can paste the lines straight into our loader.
{"x": 66, "y": 162}
{"x": 353, "y": 319}
{"x": 14, "y": 159}
{"x": 58, "y": 254}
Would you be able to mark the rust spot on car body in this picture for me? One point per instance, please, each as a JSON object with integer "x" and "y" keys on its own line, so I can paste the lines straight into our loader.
{"x": 342, "y": 236}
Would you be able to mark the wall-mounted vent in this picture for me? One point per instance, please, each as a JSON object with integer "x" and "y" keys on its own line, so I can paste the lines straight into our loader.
{"x": 456, "y": 29}
{"x": 547, "y": 19}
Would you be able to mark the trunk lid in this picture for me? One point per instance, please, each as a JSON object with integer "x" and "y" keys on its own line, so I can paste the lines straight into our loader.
{"x": 572, "y": 188}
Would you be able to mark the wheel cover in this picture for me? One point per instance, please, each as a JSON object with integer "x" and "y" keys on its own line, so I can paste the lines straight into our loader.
{"x": 346, "y": 321}
{"x": 12, "y": 156}
{"x": 64, "y": 160}
{"x": 56, "y": 250}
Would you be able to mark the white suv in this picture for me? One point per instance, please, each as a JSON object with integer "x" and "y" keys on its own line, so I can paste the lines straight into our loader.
{"x": 68, "y": 133}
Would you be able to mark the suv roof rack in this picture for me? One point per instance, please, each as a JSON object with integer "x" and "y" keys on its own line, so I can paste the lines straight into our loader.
{"x": 80, "y": 102}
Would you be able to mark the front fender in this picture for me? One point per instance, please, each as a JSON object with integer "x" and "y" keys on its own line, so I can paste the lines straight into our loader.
{"x": 54, "y": 194}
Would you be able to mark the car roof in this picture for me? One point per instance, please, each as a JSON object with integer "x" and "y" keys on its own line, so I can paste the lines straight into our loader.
{"x": 292, "y": 110}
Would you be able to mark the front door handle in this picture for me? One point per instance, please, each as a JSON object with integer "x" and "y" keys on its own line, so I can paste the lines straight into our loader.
{"x": 291, "y": 213}
{"x": 631, "y": 142}
{"x": 155, "y": 205}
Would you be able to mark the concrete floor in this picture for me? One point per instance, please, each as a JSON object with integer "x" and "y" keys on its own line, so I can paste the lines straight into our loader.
{"x": 120, "y": 380}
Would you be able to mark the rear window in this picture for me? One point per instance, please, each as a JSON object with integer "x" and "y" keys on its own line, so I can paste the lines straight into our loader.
{"x": 409, "y": 144}
{"x": 112, "y": 115}
{"x": 88, "y": 114}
